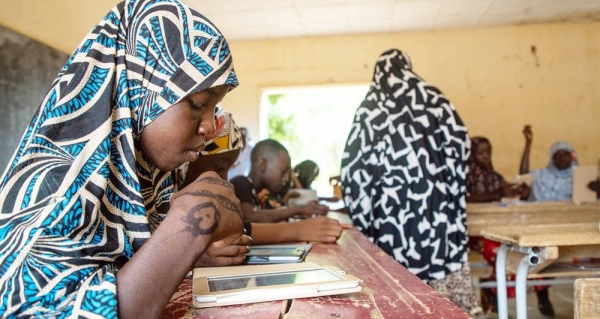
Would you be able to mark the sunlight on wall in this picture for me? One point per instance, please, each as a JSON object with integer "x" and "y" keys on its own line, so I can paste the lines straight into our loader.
{"x": 312, "y": 123}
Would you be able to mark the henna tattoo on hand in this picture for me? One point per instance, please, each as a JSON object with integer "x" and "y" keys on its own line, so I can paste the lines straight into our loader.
{"x": 216, "y": 181}
{"x": 202, "y": 219}
{"x": 223, "y": 200}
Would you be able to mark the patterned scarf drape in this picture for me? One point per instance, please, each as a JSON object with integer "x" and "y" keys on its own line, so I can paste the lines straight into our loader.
{"x": 78, "y": 197}
{"x": 551, "y": 183}
{"x": 404, "y": 169}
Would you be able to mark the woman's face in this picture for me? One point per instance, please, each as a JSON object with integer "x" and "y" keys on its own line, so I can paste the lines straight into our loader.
{"x": 177, "y": 135}
{"x": 483, "y": 155}
{"x": 562, "y": 159}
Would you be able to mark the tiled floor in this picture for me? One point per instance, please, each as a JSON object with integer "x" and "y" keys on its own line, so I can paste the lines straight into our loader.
{"x": 561, "y": 297}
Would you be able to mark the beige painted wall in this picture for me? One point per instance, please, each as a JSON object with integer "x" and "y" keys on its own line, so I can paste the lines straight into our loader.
{"x": 490, "y": 74}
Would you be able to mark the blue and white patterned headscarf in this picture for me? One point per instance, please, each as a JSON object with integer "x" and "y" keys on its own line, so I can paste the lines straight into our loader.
{"x": 551, "y": 183}
{"x": 78, "y": 197}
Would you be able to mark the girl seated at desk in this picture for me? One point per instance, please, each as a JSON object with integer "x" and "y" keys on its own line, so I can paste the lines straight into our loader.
{"x": 483, "y": 183}
{"x": 486, "y": 185}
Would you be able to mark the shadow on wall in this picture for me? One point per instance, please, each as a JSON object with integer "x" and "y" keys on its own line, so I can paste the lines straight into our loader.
{"x": 28, "y": 69}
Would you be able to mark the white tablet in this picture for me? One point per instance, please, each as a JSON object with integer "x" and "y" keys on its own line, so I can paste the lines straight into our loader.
{"x": 277, "y": 254}
{"x": 220, "y": 286}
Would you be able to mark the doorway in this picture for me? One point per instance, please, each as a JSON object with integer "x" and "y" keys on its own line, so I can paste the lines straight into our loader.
{"x": 312, "y": 123}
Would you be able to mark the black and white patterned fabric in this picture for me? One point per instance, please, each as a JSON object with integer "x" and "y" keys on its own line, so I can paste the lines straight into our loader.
{"x": 404, "y": 170}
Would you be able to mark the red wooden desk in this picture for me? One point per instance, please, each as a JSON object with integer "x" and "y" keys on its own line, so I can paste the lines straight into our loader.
{"x": 389, "y": 290}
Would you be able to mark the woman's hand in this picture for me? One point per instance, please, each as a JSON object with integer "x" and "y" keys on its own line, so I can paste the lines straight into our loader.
{"x": 520, "y": 191}
{"x": 528, "y": 133}
{"x": 227, "y": 252}
{"x": 318, "y": 229}
{"x": 209, "y": 207}
{"x": 523, "y": 190}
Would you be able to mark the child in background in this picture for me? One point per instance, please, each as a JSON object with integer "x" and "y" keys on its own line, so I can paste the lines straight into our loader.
{"x": 555, "y": 181}
{"x": 486, "y": 185}
{"x": 483, "y": 183}
{"x": 306, "y": 172}
{"x": 271, "y": 171}
{"x": 219, "y": 156}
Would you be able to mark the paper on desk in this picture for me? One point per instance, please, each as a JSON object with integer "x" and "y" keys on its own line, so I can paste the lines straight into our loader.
{"x": 582, "y": 175}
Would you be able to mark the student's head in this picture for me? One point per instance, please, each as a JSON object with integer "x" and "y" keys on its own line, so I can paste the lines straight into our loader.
{"x": 306, "y": 171}
{"x": 222, "y": 150}
{"x": 180, "y": 133}
{"x": 181, "y": 67}
{"x": 561, "y": 154}
{"x": 481, "y": 151}
{"x": 270, "y": 165}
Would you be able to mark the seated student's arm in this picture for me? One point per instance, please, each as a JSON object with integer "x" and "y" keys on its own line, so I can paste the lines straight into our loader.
{"x": 243, "y": 191}
{"x": 318, "y": 229}
{"x": 485, "y": 197}
{"x": 528, "y": 133}
{"x": 282, "y": 214}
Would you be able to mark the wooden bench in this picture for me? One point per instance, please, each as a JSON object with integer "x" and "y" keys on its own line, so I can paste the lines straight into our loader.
{"x": 540, "y": 251}
{"x": 587, "y": 298}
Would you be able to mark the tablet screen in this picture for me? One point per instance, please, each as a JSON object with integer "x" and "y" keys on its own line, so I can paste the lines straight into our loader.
{"x": 261, "y": 280}
{"x": 276, "y": 251}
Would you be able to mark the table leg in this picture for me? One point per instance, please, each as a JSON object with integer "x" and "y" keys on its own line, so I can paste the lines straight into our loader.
{"x": 501, "y": 281}
{"x": 521, "y": 287}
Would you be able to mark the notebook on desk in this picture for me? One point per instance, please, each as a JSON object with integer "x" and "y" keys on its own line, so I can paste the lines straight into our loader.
{"x": 221, "y": 286}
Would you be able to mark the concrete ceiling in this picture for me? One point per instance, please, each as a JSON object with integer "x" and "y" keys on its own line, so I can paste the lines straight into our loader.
{"x": 268, "y": 19}
{"x": 63, "y": 23}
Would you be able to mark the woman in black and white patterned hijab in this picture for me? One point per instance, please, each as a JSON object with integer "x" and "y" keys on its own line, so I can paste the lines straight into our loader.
{"x": 403, "y": 176}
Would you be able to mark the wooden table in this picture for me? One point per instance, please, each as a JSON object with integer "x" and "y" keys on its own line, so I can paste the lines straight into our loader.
{"x": 389, "y": 290}
{"x": 483, "y": 215}
{"x": 537, "y": 251}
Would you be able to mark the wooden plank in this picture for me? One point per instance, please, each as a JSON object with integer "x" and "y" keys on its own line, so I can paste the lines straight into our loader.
{"x": 389, "y": 290}
{"x": 545, "y": 235}
{"x": 587, "y": 298}
{"x": 484, "y": 215}
{"x": 573, "y": 254}
{"x": 559, "y": 269}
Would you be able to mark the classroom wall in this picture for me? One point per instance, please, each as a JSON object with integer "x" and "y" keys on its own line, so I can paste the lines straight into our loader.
{"x": 498, "y": 78}
{"x": 27, "y": 68}
{"x": 492, "y": 75}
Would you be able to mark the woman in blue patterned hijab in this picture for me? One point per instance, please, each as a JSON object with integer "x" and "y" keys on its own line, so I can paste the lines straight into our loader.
{"x": 84, "y": 200}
